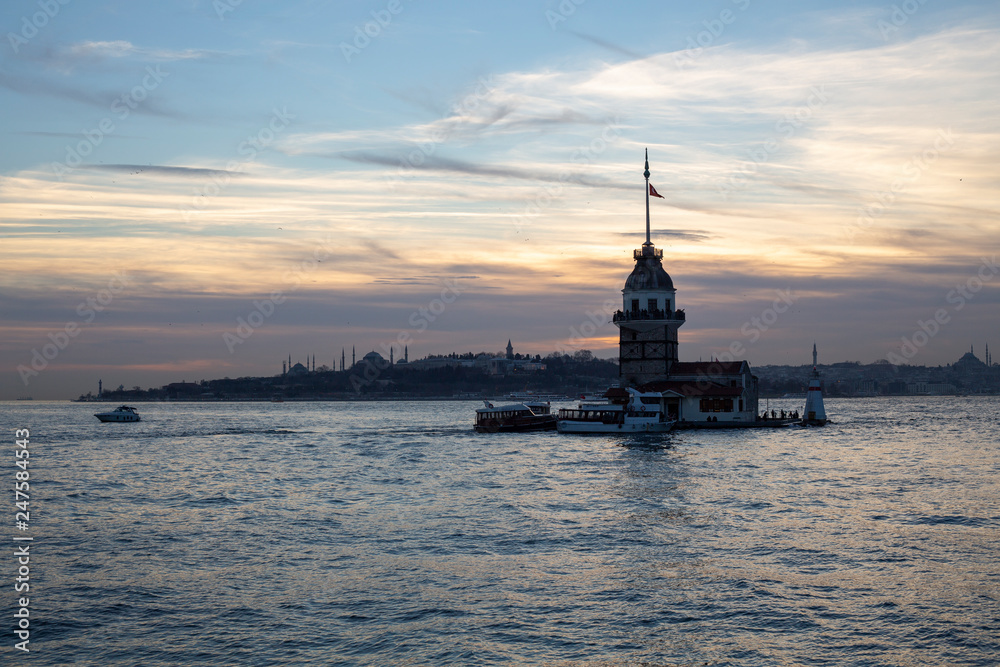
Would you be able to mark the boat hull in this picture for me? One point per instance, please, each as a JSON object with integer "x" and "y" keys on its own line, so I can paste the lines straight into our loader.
{"x": 117, "y": 418}
{"x": 572, "y": 426}
{"x": 518, "y": 425}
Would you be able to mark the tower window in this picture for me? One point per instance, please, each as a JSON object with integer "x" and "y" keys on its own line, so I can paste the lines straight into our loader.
{"x": 652, "y": 305}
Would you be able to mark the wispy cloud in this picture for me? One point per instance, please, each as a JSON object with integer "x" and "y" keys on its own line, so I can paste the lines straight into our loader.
{"x": 89, "y": 96}
{"x": 693, "y": 236}
{"x": 439, "y": 163}
{"x": 70, "y": 57}
{"x": 605, "y": 44}
{"x": 162, "y": 170}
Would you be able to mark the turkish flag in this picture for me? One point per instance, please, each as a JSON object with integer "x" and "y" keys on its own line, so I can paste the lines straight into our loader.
{"x": 653, "y": 192}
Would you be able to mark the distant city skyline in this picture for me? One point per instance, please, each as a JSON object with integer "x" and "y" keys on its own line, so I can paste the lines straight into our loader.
{"x": 195, "y": 192}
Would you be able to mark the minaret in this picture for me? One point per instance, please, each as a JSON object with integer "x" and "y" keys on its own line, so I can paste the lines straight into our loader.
{"x": 406, "y": 353}
{"x": 391, "y": 361}
{"x": 814, "y": 413}
{"x": 353, "y": 358}
{"x": 284, "y": 369}
{"x": 100, "y": 388}
{"x": 343, "y": 358}
{"x": 649, "y": 319}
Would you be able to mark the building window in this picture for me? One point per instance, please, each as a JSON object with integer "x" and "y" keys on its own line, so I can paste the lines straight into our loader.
{"x": 635, "y": 305}
{"x": 652, "y": 305}
{"x": 718, "y": 405}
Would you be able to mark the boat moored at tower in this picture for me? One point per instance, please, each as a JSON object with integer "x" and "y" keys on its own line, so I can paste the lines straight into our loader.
{"x": 640, "y": 412}
{"x": 516, "y": 417}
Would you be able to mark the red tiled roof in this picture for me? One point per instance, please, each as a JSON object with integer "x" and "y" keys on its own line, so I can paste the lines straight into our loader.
{"x": 707, "y": 368}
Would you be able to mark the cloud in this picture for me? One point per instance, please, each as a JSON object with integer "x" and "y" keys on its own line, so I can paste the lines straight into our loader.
{"x": 607, "y": 45}
{"x": 162, "y": 170}
{"x": 74, "y": 135}
{"x": 104, "y": 100}
{"x": 123, "y": 49}
{"x": 695, "y": 236}
{"x": 438, "y": 163}
{"x": 88, "y": 54}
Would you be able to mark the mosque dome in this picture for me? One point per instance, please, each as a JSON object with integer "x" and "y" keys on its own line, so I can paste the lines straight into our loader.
{"x": 374, "y": 357}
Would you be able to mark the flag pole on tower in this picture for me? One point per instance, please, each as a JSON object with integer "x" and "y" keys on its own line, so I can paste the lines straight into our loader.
{"x": 646, "y": 174}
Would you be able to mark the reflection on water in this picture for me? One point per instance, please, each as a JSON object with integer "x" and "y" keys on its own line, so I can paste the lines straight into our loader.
{"x": 391, "y": 533}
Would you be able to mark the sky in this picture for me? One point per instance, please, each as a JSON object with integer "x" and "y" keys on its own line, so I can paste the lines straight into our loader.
{"x": 196, "y": 190}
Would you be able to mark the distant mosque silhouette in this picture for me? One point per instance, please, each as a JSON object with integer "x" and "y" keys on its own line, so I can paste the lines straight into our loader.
{"x": 298, "y": 369}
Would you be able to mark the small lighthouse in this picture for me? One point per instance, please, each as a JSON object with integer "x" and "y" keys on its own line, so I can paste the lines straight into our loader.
{"x": 814, "y": 413}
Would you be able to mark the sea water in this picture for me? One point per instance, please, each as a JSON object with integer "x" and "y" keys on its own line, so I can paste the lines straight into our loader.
{"x": 391, "y": 533}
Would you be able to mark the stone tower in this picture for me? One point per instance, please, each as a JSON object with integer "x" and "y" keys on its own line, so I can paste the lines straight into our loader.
{"x": 649, "y": 318}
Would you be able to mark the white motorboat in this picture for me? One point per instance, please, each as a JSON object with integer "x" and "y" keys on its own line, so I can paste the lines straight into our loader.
{"x": 122, "y": 413}
{"x": 642, "y": 413}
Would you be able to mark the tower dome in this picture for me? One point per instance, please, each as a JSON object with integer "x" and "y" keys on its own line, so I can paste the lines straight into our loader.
{"x": 648, "y": 273}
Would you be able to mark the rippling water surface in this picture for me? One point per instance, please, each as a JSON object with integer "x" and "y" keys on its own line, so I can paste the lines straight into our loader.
{"x": 392, "y": 534}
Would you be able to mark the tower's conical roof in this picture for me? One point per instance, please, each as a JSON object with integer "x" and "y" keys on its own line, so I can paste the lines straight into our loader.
{"x": 648, "y": 273}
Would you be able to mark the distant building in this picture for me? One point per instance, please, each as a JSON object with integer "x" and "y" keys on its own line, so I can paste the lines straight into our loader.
{"x": 297, "y": 370}
{"x": 375, "y": 359}
{"x": 969, "y": 363}
{"x": 509, "y": 364}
